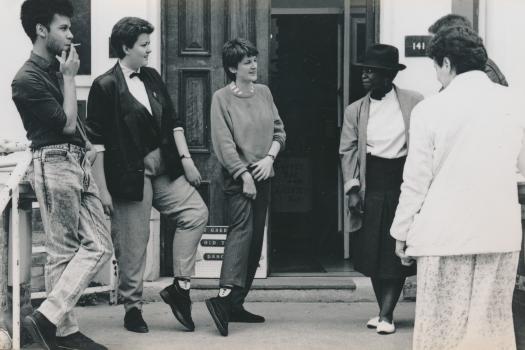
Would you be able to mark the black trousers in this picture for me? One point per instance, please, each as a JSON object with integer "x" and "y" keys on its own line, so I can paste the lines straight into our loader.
{"x": 242, "y": 250}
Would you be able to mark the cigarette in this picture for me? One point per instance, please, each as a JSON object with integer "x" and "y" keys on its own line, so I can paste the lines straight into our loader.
{"x": 77, "y": 44}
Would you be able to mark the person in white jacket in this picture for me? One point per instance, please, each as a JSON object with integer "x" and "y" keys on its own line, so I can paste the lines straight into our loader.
{"x": 458, "y": 213}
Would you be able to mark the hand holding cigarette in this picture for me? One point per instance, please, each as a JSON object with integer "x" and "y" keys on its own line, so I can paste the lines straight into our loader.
{"x": 69, "y": 63}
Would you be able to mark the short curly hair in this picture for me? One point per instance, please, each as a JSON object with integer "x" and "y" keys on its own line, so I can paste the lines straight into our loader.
{"x": 463, "y": 47}
{"x": 450, "y": 20}
{"x": 35, "y": 12}
{"x": 233, "y": 52}
{"x": 126, "y": 32}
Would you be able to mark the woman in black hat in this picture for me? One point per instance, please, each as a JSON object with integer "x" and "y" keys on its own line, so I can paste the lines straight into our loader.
{"x": 373, "y": 149}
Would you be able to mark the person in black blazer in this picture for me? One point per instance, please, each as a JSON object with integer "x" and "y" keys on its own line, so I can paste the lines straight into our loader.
{"x": 143, "y": 161}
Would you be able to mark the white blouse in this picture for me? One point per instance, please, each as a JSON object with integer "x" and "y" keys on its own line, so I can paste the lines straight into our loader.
{"x": 386, "y": 128}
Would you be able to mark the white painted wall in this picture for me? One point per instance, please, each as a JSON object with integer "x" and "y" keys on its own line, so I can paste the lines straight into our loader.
{"x": 399, "y": 18}
{"x": 17, "y": 51}
{"x": 504, "y": 39}
{"x": 501, "y": 26}
{"x": 104, "y": 14}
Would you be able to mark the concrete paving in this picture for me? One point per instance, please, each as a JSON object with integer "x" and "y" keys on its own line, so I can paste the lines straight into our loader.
{"x": 289, "y": 326}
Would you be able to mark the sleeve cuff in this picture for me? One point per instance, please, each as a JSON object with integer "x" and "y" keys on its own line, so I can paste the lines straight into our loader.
{"x": 99, "y": 148}
{"x": 239, "y": 173}
{"x": 400, "y": 236}
{"x": 281, "y": 142}
{"x": 178, "y": 129}
{"x": 351, "y": 184}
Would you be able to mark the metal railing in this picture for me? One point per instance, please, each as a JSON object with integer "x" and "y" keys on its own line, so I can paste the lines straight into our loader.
{"x": 9, "y": 192}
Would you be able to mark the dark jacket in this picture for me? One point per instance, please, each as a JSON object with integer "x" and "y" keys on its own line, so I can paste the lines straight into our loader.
{"x": 116, "y": 120}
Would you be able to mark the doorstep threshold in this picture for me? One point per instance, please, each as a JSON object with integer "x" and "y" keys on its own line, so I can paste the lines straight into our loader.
{"x": 278, "y": 283}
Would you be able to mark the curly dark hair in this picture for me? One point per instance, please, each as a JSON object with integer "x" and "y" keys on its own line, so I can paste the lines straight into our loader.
{"x": 463, "y": 47}
{"x": 233, "y": 52}
{"x": 450, "y": 20}
{"x": 35, "y": 12}
{"x": 126, "y": 32}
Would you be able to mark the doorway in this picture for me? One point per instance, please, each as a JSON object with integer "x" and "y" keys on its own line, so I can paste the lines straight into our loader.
{"x": 304, "y": 68}
{"x": 306, "y": 78}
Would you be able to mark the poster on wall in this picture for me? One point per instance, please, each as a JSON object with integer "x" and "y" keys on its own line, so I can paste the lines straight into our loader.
{"x": 81, "y": 28}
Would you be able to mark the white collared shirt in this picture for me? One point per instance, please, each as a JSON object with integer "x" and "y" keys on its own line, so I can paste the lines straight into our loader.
{"x": 386, "y": 128}
{"x": 136, "y": 87}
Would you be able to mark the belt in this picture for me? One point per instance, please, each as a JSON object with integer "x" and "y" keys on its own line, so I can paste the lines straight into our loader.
{"x": 67, "y": 146}
{"x": 70, "y": 147}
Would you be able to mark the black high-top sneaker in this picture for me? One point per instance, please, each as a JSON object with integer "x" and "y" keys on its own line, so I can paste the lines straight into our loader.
{"x": 179, "y": 300}
{"x": 220, "y": 310}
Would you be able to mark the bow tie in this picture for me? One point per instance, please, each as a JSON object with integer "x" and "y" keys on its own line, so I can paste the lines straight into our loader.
{"x": 140, "y": 75}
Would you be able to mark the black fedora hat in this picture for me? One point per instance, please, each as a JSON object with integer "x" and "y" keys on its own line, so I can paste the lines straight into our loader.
{"x": 381, "y": 56}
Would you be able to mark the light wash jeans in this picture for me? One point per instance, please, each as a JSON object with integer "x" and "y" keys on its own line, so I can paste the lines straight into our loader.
{"x": 78, "y": 242}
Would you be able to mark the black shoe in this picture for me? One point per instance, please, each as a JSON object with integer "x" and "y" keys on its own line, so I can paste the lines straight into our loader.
{"x": 241, "y": 315}
{"x": 78, "y": 341}
{"x": 220, "y": 310}
{"x": 179, "y": 301}
{"x": 134, "y": 322}
{"x": 41, "y": 329}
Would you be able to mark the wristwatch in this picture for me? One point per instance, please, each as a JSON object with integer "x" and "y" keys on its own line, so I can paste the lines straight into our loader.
{"x": 271, "y": 156}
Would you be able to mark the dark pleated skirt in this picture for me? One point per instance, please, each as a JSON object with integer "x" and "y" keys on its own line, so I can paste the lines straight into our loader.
{"x": 373, "y": 249}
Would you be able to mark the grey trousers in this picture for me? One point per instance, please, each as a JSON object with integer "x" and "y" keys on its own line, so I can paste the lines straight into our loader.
{"x": 242, "y": 250}
{"x": 77, "y": 240}
{"x": 181, "y": 203}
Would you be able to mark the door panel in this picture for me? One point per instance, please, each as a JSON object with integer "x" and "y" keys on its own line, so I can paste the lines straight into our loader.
{"x": 193, "y": 33}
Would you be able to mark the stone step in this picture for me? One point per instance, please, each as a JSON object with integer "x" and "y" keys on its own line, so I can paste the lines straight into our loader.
{"x": 281, "y": 289}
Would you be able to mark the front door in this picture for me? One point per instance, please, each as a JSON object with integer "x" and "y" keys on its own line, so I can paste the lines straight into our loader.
{"x": 193, "y": 33}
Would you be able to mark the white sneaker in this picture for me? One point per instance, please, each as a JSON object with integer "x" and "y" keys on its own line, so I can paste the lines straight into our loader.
{"x": 373, "y": 322}
{"x": 384, "y": 327}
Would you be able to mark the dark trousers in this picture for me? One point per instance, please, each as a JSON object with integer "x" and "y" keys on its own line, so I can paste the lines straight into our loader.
{"x": 242, "y": 250}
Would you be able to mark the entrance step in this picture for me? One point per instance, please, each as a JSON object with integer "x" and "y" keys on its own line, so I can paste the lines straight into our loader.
{"x": 280, "y": 289}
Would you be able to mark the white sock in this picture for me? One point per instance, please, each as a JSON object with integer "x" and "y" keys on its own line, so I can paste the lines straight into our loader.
{"x": 224, "y": 292}
{"x": 184, "y": 284}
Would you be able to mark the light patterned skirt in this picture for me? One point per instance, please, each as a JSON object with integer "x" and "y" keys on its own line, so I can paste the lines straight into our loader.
{"x": 465, "y": 302}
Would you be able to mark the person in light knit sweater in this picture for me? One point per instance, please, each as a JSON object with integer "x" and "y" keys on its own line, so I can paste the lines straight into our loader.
{"x": 247, "y": 135}
{"x": 458, "y": 212}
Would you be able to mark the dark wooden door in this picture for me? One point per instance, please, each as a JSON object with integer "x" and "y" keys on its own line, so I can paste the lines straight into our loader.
{"x": 193, "y": 33}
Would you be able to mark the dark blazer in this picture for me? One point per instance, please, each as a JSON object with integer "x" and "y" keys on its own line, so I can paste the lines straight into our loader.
{"x": 115, "y": 120}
